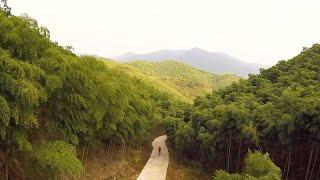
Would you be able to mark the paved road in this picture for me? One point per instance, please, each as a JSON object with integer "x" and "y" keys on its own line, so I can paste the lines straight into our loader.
{"x": 156, "y": 167}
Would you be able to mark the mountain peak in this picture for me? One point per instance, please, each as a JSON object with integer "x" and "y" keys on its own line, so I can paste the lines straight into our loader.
{"x": 196, "y": 49}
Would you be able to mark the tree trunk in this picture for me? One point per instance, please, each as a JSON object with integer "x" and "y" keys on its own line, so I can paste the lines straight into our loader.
{"x": 6, "y": 158}
{"x": 86, "y": 153}
{"x": 229, "y": 152}
{"x": 311, "y": 153}
{"x": 289, "y": 162}
{"x": 314, "y": 162}
{"x": 108, "y": 151}
{"x": 318, "y": 172}
{"x": 8, "y": 147}
{"x": 84, "y": 150}
{"x": 272, "y": 154}
{"x": 11, "y": 143}
{"x": 43, "y": 124}
{"x": 112, "y": 146}
{"x": 140, "y": 142}
{"x": 239, "y": 153}
{"x": 123, "y": 150}
{"x": 285, "y": 167}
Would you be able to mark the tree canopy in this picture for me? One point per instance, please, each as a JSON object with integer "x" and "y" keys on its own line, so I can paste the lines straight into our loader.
{"x": 276, "y": 111}
{"x": 52, "y": 101}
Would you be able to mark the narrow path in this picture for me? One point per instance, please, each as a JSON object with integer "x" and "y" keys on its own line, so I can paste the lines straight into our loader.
{"x": 156, "y": 167}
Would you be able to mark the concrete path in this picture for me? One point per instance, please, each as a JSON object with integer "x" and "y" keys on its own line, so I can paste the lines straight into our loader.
{"x": 156, "y": 167}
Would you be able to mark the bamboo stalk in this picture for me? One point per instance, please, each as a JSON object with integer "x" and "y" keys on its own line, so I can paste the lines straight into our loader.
{"x": 229, "y": 152}
{"x": 289, "y": 162}
{"x": 310, "y": 157}
{"x": 285, "y": 166}
{"x": 314, "y": 162}
{"x": 239, "y": 152}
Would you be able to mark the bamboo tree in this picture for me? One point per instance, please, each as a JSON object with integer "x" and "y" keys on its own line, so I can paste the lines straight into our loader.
{"x": 309, "y": 162}
{"x": 289, "y": 161}
{"x": 314, "y": 162}
{"x": 239, "y": 153}
{"x": 229, "y": 152}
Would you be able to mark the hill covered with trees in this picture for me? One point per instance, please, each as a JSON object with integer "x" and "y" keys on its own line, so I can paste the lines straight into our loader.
{"x": 179, "y": 80}
{"x": 54, "y": 104}
{"x": 276, "y": 112}
{"x": 189, "y": 81}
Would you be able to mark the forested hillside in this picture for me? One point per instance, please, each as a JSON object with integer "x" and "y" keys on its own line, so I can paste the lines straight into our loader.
{"x": 276, "y": 112}
{"x": 152, "y": 81}
{"x": 54, "y": 104}
{"x": 179, "y": 80}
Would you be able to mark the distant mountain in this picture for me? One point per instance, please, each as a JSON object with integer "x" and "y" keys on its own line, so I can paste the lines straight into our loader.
{"x": 216, "y": 62}
{"x": 181, "y": 81}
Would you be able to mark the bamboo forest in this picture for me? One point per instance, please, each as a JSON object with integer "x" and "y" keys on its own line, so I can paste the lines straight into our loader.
{"x": 65, "y": 115}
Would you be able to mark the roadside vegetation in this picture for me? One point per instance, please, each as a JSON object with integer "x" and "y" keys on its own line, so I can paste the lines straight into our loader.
{"x": 61, "y": 113}
{"x": 275, "y": 112}
{"x": 55, "y": 106}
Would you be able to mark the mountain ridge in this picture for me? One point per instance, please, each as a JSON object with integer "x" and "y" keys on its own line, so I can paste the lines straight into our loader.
{"x": 215, "y": 62}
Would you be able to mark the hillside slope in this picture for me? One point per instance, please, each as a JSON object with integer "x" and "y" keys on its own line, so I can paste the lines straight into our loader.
{"x": 276, "y": 111}
{"x": 55, "y": 107}
{"x": 215, "y": 62}
{"x": 178, "y": 79}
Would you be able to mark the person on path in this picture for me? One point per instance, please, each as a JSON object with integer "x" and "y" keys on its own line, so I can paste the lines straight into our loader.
{"x": 159, "y": 149}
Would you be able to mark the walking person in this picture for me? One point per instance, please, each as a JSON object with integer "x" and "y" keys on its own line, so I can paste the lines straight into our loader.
{"x": 159, "y": 149}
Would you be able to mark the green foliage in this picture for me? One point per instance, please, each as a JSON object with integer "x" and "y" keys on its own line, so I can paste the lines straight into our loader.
{"x": 22, "y": 37}
{"x": 274, "y": 111}
{"x": 260, "y": 165}
{"x": 20, "y": 138}
{"x": 257, "y": 166}
{"x": 4, "y": 116}
{"x": 184, "y": 138}
{"x": 58, "y": 157}
{"x": 20, "y": 96}
{"x": 223, "y": 175}
{"x": 179, "y": 80}
{"x": 47, "y": 93}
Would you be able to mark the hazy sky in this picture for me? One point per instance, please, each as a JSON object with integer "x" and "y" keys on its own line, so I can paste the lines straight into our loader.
{"x": 261, "y": 31}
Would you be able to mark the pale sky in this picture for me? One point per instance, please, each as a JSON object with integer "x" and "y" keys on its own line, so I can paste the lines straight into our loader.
{"x": 260, "y": 31}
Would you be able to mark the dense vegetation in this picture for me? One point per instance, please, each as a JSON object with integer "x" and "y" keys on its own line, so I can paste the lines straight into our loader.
{"x": 189, "y": 81}
{"x": 137, "y": 73}
{"x": 276, "y": 111}
{"x": 53, "y": 102}
{"x": 178, "y": 79}
{"x": 257, "y": 166}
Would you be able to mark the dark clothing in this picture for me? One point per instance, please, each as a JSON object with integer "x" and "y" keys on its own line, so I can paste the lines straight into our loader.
{"x": 159, "y": 149}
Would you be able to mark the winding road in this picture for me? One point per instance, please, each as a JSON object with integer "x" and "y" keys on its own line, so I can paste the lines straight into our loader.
{"x": 156, "y": 167}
